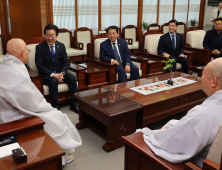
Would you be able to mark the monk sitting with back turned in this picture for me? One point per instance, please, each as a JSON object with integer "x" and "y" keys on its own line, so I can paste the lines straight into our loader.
{"x": 20, "y": 98}
{"x": 190, "y": 138}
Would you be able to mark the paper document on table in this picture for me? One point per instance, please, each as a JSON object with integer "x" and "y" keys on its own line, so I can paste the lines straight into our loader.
{"x": 7, "y": 149}
{"x": 162, "y": 85}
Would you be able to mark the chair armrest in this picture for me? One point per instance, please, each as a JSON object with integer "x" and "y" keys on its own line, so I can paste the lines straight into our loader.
{"x": 77, "y": 45}
{"x": 191, "y": 166}
{"x": 191, "y": 49}
{"x": 208, "y": 164}
{"x": 76, "y": 68}
{"x": 21, "y": 126}
{"x": 129, "y": 41}
{"x": 143, "y": 64}
{"x": 139, "y": 59}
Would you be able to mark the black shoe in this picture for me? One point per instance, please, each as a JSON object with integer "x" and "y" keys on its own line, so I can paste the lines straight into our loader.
{"x": 74, "y": 106}
{"x": 55, "y": 105}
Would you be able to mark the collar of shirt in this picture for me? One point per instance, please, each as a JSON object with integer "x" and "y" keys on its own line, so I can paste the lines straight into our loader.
{"x": 172, "y": 34}
{"x": 50, "y": 46}
{"x": 112, "y": 43}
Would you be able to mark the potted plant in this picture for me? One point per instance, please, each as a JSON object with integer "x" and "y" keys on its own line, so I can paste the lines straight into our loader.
{"x": 169, "y": 66}
{"x": 193, "y": 22}
{"x": 145, "y": 25}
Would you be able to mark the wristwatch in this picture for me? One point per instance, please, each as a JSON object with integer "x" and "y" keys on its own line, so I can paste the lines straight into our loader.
{"x": 128, "y": 64}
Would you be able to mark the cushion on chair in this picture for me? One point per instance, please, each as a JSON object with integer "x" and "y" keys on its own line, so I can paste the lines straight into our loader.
{"x": 151, "y": 42}
{"x": 195, "y": 38}
{"x": 97, "y": 43}
{"x": 62, "y": 87}
{"x": 85, "y": 38}
{"x": 73, "y": 52}
{"x": 135, "y": 44}
{"x": 31, "y": 59}
{"x": 165, "y": 29}
{"x": 181, "y": 29}
{"x": 64, "y": 37}
{"x": 215, "y": 151}
{"x": 130, "y": 33}
{"x": 154, "y": 28}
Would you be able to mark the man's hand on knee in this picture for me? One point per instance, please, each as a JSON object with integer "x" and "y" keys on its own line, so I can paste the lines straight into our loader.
{"x": 181, "y": 55}
{"x": 115, "y": 62}
{"x": 56, "y": 76}
{"x": 61, "y": 77}
{"x": 127, "y": 69}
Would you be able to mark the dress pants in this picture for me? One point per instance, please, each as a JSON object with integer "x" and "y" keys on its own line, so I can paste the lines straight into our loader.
{"x": 183, "y": 61}
{"x": 216, "y": 55}
{"x": 52, "y": 82}
{"x": 134, "y": 73}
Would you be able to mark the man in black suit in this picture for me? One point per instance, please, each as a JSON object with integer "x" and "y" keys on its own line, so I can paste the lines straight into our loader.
{"x": 52, "y": 62}
{"x": 213, "y": 39}
{"x": 171, "y": 45}
{"x": 115, "y": 50}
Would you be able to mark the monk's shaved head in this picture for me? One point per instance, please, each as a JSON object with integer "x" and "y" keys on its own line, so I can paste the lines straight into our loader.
{"x": 17, "y": 47}
{"x": 215, "y": 69}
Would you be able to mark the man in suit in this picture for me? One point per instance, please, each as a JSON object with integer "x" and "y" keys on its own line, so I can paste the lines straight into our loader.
{"x": 171, "y": 45}
{"x": 115, "y": 50}
{"x": 213, "y": 39}
{"x": 52, "y": 62}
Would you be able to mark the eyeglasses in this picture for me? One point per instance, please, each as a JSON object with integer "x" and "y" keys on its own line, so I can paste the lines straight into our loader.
{"x": 29, "y": 51}
{"x": 52, "y": 36}
{"x": 218, "y": 24}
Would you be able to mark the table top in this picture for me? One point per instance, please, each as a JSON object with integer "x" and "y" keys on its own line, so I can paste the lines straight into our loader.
{"x": 91, "y": 68}
{"x": 39, "y": 146}
{"x": 106, "y": 101}
{"x": 124, "y": 90}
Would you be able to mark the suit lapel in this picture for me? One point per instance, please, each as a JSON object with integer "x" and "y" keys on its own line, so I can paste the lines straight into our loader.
{"x": 177, "y": 40}
{"x": 110, "y": 48}
{"x": 46, "y": 46}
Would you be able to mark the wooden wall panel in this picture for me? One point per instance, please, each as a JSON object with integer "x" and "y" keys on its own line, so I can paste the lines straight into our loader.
{"x": 25, "y": 17}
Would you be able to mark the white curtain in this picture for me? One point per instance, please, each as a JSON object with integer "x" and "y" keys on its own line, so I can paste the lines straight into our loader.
{"x": 110, "y": 13}
{"x": 88, "y": 14}
{"x": 194, "y": 9}
{"x": 64, "y": 14}
{"x": 150, "y": 11}
{"x": 165, "y": 11}
{"x": 129, "y": 12}
{"x": 181, "y": 10}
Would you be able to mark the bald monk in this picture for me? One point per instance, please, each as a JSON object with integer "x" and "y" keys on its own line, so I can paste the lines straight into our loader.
{"x": 190, "y": 137}
{"x": 20, "y": 98}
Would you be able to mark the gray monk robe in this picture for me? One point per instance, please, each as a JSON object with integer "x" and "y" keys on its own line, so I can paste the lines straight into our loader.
{"x": 189, "y": 137}
{"x": 20, "y": 98}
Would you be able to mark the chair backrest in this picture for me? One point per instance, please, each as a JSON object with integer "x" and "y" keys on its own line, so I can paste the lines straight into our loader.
{"x": 130, "y": 33}
{"x": 31, "y": 59}
{"x": 84, "y": 37}
{"x": 164, "y": 28}
{"x": 64, "y": 37}
{"x": 151, "y": 42}
{"x": 97, "y": 43}
{"x": 153, "y": 27}
{"x": 181, "y": 28}
{"x": 195, "y": 38}
{"x": 215, "y": 151}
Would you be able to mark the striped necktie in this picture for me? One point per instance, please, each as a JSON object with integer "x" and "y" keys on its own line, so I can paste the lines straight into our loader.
{"x": 173, "y": 42}
{"x": 116, "y": 54}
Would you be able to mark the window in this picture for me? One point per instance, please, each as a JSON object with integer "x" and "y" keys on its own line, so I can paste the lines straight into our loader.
{"x": 150, "y": 11}
{"x": 64, "y": 14}
{"x": 110, "y": 13}
{"x": 129, "y": 12}
{"x": 194, "y": 9}
{"x": 88, "y": 14}
{"x": 165, "y": 11}
{"x": 181, "y": 11}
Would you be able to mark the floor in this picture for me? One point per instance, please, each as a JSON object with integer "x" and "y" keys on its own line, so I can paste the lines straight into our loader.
{"x": 91, "y": 156}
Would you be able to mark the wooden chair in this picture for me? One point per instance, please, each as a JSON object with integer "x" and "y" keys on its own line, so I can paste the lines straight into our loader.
{"x": 129, "y": 32}
{"x": 138, "y": 156}
{"x": 192, "y": 29}
{"x": 83, "y": 35}
{"x": 75, "y": 54}
{"x": 164, "y": 28}
{"x": 63, "y": 90}
{"x": 2, "y": 48}
{"x": 181, "y": 28}
{"x": 153, "y": 27}
{"x": 93, "y": 56}
{"x": 194, "y": 42}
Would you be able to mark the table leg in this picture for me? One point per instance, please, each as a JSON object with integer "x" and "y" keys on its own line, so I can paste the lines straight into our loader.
{"x": 81, "y": 124}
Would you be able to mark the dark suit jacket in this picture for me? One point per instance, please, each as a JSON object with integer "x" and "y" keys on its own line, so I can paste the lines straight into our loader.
{"x": 107, "y": 53}
{"x": 44, "y": 61}
{"x": 213, "y": 40}
{"x": 165, "y": 45}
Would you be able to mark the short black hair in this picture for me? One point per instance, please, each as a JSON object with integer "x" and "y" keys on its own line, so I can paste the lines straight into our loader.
{"x": 173, "y": 21}
{"x": 51, "y": 26}
{"x": 111, "y": 28}
{"x": 218, "y": 19}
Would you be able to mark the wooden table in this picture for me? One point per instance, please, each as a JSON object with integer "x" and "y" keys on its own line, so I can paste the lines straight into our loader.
{"x": 96, "y": 75}
{"x": 109, "y": 114}
{"x": 42, "y": 151}
{"x": 160, "y": 105}
{"x": 138, "y": 156}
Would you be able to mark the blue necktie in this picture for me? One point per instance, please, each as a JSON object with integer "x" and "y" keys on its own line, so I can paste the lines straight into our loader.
{"x": 116, "y": 54}
{"x": 53, "y": 54}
